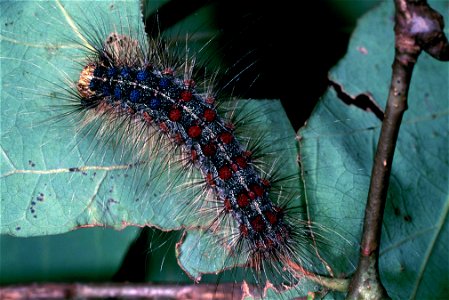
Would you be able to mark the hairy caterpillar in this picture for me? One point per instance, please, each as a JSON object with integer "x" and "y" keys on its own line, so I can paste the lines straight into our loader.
{"x": 263, "y": 230}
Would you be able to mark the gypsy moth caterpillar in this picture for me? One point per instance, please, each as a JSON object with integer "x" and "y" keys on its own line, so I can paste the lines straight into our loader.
{"x": 126, "y": 55}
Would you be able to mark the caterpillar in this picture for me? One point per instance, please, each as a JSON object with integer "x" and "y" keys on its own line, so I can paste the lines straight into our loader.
{"x": 131, "y": 90}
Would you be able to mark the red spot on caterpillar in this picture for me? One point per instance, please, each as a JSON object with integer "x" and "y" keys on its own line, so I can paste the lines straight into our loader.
{"x": 225, "y": 173}
{"x": 175, "y": 114}
{"x": 257, "y": 189}
{"x": 271, "y": 217}
{"x": 226, "y": 137}
{"x": 194, "y": 131}
{"x": 227, "y": 205}
{"x": 210, "y": 100}
{"x": 234, "y": 167}
{"x": 242, "y": 200}
{"x": 243, "y": 230}
{"x": 257, "y": 224}
{"x": 186, "y": 96}
{"x": 209, "y": 115}
{"x": 209, "y": 149}
{"x": 147, "y": 117}
{"x": 247, "y": 154}
{"x": 241, "y": 162}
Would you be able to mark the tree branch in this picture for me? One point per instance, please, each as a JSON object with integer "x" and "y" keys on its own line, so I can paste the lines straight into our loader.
{"x": 418, "y": 27}
{"x": 121, "y": 290}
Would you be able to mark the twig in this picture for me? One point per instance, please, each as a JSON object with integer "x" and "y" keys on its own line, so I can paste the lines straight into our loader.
{"x": 418, "y": 27}
{"x": 121, "y": 290}
{"x": 331, "y": 283}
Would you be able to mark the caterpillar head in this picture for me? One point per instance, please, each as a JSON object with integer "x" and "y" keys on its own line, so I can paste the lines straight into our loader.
{"x": 85, "y": 81}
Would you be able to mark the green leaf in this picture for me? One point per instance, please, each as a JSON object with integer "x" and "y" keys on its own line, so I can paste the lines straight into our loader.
{"x": 338, "y": 144}
{"x": 40, "y": 195}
